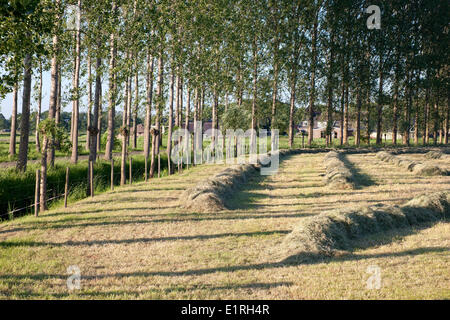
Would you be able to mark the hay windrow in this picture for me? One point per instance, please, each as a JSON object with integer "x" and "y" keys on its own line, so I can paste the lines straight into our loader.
{"x": 209, "y": 195}
{"x": 434, "y": 155}
{"x": 337, "y": 174}
{"x": 421, "y": 169}
{"x": 330, "y": 234}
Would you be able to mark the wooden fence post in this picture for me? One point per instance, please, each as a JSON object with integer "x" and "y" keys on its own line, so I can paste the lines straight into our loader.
{"x": 159, "y": 165}
{"x": 146, "y": 158}
{"x": 66, "y": 187}
{"x": 112, "y": 174}
{"x": 131, "y": 170}
{"x": 37, "y": 193}
{"x": 91, "y": 177}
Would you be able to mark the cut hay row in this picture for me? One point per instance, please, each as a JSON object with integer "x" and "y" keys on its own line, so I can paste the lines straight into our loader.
{"x": 209, "y": 195}
{"x": 418, "y": 168}
{"x": 337, "y": 174}
{"x": 330, "y": 233}
{"x": 434, "y": 155}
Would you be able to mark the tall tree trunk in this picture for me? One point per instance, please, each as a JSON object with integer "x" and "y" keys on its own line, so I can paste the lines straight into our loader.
{"x": 148, "y": 109}
{"x": 368, "y": 110}
{"x": 329, "y": 133}
{"x": 292, "y": 107}
{"x": 76, "y": 84}
{"x": 436, "y": 117}
{"x": 136, "y": 106}
{"x": 125, "y": 102}
{"x": 159, "y": 95}
{"x": 358, "y": 116}
{"x": 395, "y": 110}
{"x": 55, "y": 87}
{"x": 380, "y": 104}
{"x": 346, "y": 116}
{"x": 426, "y": 134}
{"x": 124, "y": 130}
{"x": 274, "y": 94}
{"x": 12, "y": 138}
{"x": 312, "y": 93}
{"x": 25, "y": 118}
{"x": 112, "y": 95}
{"x": 416, "y": 120}
{"x": 447, "y": 116}
{"x": 38, "y": 113}
{"x": 90, "y": 102}
{"x": 341, "y": 126}
{"x": 255, "y": 88}
{"x": 186, "y": 120}
{"x": 123, "y": 172}
{"x": 214, "y": 115}
{"x": 180, "y": 121}
{"x": 43, "y": 182}
{"x": 239, "y": 84}
{"x": 170, "y": 126}
{"x": 407, "y": 112}
{"x": 58, "y": 98}
{"x": 93, "y": 129}
{"x": 99, "y": 118}
{"x": 177, "y": 101}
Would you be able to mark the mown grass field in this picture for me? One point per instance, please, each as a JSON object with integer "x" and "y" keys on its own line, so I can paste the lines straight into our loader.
{"x": 136, "y": 242}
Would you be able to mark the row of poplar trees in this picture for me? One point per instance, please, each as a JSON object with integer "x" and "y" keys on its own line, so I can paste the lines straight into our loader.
{"x": 175, "y": 57}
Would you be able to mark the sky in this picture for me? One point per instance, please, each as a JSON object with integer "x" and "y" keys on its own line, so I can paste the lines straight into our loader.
{"x": 6, "y": 104}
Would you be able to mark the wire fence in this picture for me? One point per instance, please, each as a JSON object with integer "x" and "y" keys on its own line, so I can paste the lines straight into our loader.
{"x": 78, "y": 187}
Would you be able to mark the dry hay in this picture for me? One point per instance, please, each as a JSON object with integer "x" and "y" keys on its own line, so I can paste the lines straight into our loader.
{"x": 209, "y": 195}
{"x": 337, "y": 174}
{"x": 433, "y": 155}
{"x": 330, "y": 234}
{"x": 421, "y": 169}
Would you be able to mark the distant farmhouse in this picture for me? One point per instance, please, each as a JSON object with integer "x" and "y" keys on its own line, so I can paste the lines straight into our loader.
{"x": 320, "y": 129}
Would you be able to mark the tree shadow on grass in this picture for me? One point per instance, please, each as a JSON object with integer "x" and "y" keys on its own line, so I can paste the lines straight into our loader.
{"x": 360, "y": 179}
{"x": 170, "y": 219}
{"x": 292, "y": 261}
{"x": 162, "y": 292}
{"x": 25, "y": 243}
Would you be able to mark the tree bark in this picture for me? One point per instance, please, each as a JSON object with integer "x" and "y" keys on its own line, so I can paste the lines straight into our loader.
{"x": 93, "y": 130}
{"x": 90, "y": 102}
{"x": 99, "y": 118}
{"x": 112, "y": 95}
{"x": 395, "y": 110}
{"x": 380, "y": 104}
{"x": 38, "y": 113}
{"x": 255, "y": 88}
{"x": 159, "y": 94}
{"x": 148, "y": 109}
{"x": 12, "y": 138}
{"x": 407, "y": 111}
{"x": 136, "y": 105}
{"x": 170, "y": 127}
{"x": 447, "y": 119}
{"x": 43, "y": 184}
{"x": 358, "y": 117}
{"x": 313, "y": 81}
{"x": 346, "y": 116}
{"x": 25, "y": 118}
{"x": 76, "y": 84}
